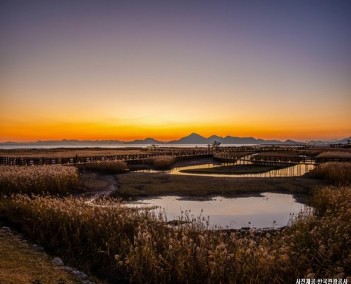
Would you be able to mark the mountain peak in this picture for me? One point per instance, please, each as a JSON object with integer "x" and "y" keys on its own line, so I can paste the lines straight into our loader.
{"x": 194, "y": 135}
{"x": 192, "y": 138}
{"x": 145, "y": 141}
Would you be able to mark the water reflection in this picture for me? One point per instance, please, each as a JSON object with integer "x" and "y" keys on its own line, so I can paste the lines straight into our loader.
{"x": 268, "y": 210}
{"x": 288, "y": 171}
{"x": 292, "y": 171}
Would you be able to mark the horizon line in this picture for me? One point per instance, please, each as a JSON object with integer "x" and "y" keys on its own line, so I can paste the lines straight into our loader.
{"x": 168, "y": 141}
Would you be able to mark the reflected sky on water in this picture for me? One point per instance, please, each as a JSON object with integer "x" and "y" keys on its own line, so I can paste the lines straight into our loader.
{"x": 267, "y": 210}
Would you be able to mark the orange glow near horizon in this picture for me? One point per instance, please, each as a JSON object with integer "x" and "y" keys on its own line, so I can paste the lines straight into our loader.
{"x": 26, "y": 132}
{"x": 104, "y": 117}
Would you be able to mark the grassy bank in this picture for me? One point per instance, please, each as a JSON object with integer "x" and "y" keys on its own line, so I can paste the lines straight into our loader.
{"x": 21, "y": 264}
{"x": 127, "y": 245}
{"x": 147, "y": 184}
{"x": 233, "y": 170}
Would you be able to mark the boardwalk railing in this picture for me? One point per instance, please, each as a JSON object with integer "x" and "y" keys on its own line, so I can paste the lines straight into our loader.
{"x": 132, "y": 158}
{"x": 282, "y": 160}
{"x": 221, "y": 156}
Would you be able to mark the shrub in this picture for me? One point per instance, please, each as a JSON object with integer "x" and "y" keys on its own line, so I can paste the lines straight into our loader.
{"x": 161, "y": 162}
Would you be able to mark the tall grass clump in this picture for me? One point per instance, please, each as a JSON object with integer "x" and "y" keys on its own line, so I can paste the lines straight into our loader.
{"x": 317, "y": 245}
{"x": 336, "y": 172}
{"x": 335, "y": 154}
{"x": 112, "y": 167}
{"x": 320, "y": 244}
{"x": 37, "y": 179}
{"x": 161, "y": 162}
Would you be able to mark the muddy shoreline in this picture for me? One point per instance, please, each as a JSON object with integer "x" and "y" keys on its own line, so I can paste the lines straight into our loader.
{"x": 135, "y": 185}
{"x": 132, "y": 186}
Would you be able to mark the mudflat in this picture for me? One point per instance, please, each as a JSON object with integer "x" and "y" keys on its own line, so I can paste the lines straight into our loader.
{"x": 136, "y": 184}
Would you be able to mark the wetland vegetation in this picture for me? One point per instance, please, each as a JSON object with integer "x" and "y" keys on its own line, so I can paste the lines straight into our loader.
{"x": 106, "y": 239}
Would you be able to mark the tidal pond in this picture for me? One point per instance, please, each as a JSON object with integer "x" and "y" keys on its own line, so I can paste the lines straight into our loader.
{"x": 265, "y": 211}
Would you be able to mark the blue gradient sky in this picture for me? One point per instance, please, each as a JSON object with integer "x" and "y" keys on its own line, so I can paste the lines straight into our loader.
{"x": 133, "y": 69}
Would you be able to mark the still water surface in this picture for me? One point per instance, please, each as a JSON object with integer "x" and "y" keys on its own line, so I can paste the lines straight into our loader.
{"x": 265, "y": 211}
{"x": 293, "y": 171}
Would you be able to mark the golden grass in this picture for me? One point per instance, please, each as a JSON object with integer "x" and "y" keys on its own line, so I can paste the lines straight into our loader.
{"x": 68, "y": 153}
{"x": 88, "y": 236}
{"x": 337, "y": 172}
{"x": 335, "y": 154}
{"x": 112, "y": 167}
{"x": 38, "y": 179}
{"x": 131, "y": 245}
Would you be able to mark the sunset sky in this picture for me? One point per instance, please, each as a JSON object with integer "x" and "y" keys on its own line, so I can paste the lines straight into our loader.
{"x": 163, "y": 69}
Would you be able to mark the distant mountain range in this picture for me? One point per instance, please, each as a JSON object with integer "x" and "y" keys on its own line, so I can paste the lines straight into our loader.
{"x": 193, "y": 138}
{"x": 344, "y": 141}
{"x": 321, "y": 143}
{"x": 198, "y": 139}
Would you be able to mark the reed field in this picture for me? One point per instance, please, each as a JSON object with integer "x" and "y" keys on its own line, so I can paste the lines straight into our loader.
{"x": 336, "y": 172}
{"x": 111, "y": 167}
{"x": 126, "y": 245}
{"x": 68, "y": 153}
{"x": 118, "y": 244}
{"x": 335, "y": 154}
{"x": 54, "y": 179}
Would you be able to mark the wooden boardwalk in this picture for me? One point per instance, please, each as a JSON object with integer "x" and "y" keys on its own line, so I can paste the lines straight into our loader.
{"x": 226, "y": 156}
{"x": 132, "y": 158}
{"x": 282, "y": 160}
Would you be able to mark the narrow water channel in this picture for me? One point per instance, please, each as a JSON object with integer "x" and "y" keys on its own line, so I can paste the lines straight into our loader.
{"x": 289, "y": 171}
{"x": 292, "y": 171}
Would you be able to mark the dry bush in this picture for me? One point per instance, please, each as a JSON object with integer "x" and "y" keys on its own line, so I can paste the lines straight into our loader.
{"x": 337, "y": 172}
{"x": 113, "y": 167}
{"x": 37, "y": 179}
{"x": 161, "y": 162}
